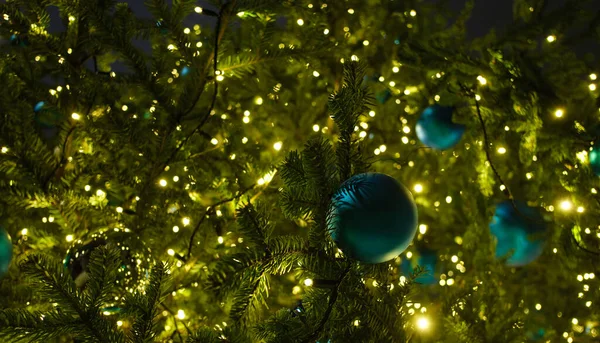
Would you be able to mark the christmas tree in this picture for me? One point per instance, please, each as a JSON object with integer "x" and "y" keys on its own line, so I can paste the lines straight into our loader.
{"x": 298, "y": 171}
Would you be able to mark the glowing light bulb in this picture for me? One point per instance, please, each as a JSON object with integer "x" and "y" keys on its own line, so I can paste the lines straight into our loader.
{"x": 423, "y": 323}
{"x": 481, "y": 80}
{"x": 559, "y": 113}
{"x": 198, "y": 9}
{"x": 316, "y": 128}
{"x": 566, "y": 205}
{"x": 277, "y": 146}
{"x": 180, "y": 314}
{"x": 418, "y": 188}
{"x": 501, "y": 150}
{"x": 75, "y": 116}
{"x": 175, "y": 228}
{"x": 171, "y": 252}
{"x": 69, "y": 238}
{"x": 162, "y": 182}
{"x": 551, "y": 38}
{"x": 422, "y": 229}
{"x": 308, "y": 282}
{"x": 185, "y": 221}
{"x": 300, "y": 22}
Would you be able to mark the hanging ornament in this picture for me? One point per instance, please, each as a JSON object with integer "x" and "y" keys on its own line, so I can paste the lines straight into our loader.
{"x": 424, "y": 258}
{"x": 373, "y": 217}
{"x": 520, "y": 232}
{"x": 383, "y": 96}
{"x": 48, "y": 120}
{"x": 17, "y": 40}
{"x": 436, "y": 129}
{"x": 78, "y": 259}
{"x": 184, "y": 71}
{"x": 5, "y": 251}
{"x": 594, "y": 158}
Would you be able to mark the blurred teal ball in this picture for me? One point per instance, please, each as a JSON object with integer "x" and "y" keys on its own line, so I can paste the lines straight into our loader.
{"x": 373, "y": 217}
{"x": 436, "y": 129}
{"x": 426, "y": 259}
{"x": 595, "y": 161}
{"x": 520, "y": 232}
{"x": 5, "y": 251}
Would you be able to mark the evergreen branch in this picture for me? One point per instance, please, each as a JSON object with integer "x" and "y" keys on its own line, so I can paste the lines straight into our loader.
{"x": 19, "y": 325}
{"x": 175, "y": 321}
{"x": 54, "y": 281}
{"x": 332, "y": 299}
{"x": 207, "y": 212}
{"x": 219, "y": 34}
{"x": 103, "y": 266}
{"x": 146, "y": 306}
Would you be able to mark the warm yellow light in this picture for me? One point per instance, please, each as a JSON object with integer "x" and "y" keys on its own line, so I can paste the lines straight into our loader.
{"x": 187, "y": 31}
{"x": 580, "y": 209}
{"x": 551, "y": 38}
{"x": 185, "y": 221}
{"x": 119, "y": 323}
{"x": 87, "y": 188}
{"x": 296, "y": 290}
{"x": 559, "y": 113}
{"x": 371, "y": 113}
{"x": 246, "y": 120}
{"x": 365, "y": 42}
{"x": 326, "y": 31}
{"x": 175, "y": 178}
{"x": 4, "y": 150}
{"x": 423, "y": 323}
{"x": 24, "y": 232}
{"x": 214, "y": 141}
{"x": 308, "y": 282}
{"x": 406, "y": 129}
{"x": 162, "y": 182}
{"x": 198, "y": 9}
{"x": 357, "y": 322}
{"x": 481, "y": 80}
{"x": 395, "y": 69}
{"x": 300, "y": 22}
{"x": 175, "y": 228}
{"x": 382, "y": 148}
{"x": 69, "y": 238}
{"x": 180, "y": 314}
{"x": 409, "y": 255}
{"x": 71, "y": 18}
{"x": 448, "y": 199}
{"x": 418, "y": 188}
{"x": 119, "y": 209}
{"x": 593, "y": 77}
{"x": 316, "y": 128}
{"x": 422, "y": 229}
{"x": 244, "y": 140}
{"x": 566, "y": 205}
{"x": 75, "y": 116}
{"x": 171, "y": 252}
{"x": 220, "y": 239}
{"x": 501, "y": 150}
{"x": 277, "y": 146}
{"x": 413, "y": 13}
{"x": 574, "y": 321}
{"x": 528, "y": 176}
{"x": 592, "y": 86}
{"x": 171, "y": 47}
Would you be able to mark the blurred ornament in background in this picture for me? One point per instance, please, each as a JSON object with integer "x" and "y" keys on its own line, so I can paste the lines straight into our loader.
{"x": 518, "y": 232}
{"x": 436, "y": 129}
{"x": 18, "y": 40}
{"x": 383, "y": 96}
{"x": 373, "y": 217}
{"x": 425, "y": 258}
{"x": 6, "y": 251}
{"x": 594, "y": 158}
{"x": 78, "y": 259}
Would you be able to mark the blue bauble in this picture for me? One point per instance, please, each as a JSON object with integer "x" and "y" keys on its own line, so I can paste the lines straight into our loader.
{"x": 5, "y": 251}
{"x": 38, "y": 107}
{"x": 425, "y": 258}
{"x": 383, "y": 96}
{"x": 513, "y": 231}
{"x": 373, "y": 217}
{"x": 185, "y": 70}
{"x": 436, "y": 129}
{"x": 595, "y": 161}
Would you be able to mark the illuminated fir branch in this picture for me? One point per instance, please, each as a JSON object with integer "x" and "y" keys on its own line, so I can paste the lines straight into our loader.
{"x": 332, "y": 300}
{"x": 175, "y": 321}
{"x": 209, "y": 211}
{"x": 220, "y": 30}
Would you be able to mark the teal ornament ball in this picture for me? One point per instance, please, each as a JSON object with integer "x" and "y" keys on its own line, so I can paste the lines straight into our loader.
{"x": 373, "y": 217}
{"x": 520, "y": 232}
{"x": 594, "y": 158}
{"x": 436, "y": 129}
{"x": 425, "y": 258}
{"x": 5, "y": 251}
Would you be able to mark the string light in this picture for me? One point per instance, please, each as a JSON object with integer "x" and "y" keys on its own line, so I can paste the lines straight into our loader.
{"x": 69, "y": 238}
{"x": 418, "y": 188}
{"x": 180, "y": 314}
{"x": 559, "y": 113}
{"x": 566, "y": 205}
{"x": 551, "y": 38}
{"x": 423, "y": 323}
{"x": 300, "y": 22}
{"x": 308, "y": 282}
{"x": 75, "y": 116}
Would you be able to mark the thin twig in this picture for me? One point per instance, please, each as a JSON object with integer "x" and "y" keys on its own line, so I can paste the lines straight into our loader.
{"x": 218, "y": 36}
{"x": 332, "y": 300}
{"x": 209, "y": 211}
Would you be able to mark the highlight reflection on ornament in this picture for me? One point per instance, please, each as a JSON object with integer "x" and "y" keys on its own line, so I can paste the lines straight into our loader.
{"x": 436, "y": 129}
